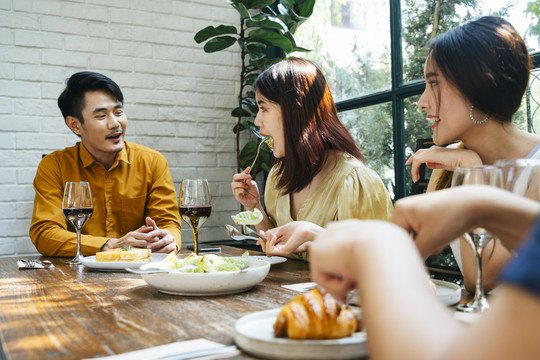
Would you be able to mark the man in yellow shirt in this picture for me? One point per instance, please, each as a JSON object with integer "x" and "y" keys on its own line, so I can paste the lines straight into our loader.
{"x": 133, "y": 192}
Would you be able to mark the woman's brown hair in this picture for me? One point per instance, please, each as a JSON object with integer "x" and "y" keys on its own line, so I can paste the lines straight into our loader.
{"x": 488, "y": 62}
{"x": 311, "y": 124}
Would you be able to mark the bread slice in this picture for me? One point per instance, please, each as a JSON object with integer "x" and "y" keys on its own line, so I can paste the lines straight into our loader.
{"x": 135, "y": 255}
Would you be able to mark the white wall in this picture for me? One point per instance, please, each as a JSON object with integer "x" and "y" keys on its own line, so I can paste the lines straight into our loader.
{"x": 177, "y": 97}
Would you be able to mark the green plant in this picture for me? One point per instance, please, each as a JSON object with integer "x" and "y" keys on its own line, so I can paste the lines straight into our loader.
{"x": 265, "y": 25}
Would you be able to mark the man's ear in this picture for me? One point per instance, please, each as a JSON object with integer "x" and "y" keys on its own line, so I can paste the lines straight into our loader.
{"x": 74, "y": 124}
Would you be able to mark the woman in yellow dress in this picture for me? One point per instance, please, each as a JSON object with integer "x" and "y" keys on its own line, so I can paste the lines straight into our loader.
{"x": 319, "y": 175}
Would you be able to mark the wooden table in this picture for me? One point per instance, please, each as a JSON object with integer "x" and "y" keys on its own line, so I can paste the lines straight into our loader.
{"x": 72, "y": 312}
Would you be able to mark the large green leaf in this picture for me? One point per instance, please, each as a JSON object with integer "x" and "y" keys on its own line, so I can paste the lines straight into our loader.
{"x": 293, "y": 42}
{"x": 236, "y": 112}
{"x": 287, "y": 7}
{"x": 244, "y": 125}
{"x": 241, "y": 8}
{"x": 211, "y": 31}
{"x": 272, "y": 38}
{"x": 219, "y": 43}
{"x": 248, "y": 153}
{"x": 267, "y": 23}
{"x": 256, "y": 51}
{"x": 259, "y": 4}
{"x": 249, "y": 80}
{"x": 306, "y": 10}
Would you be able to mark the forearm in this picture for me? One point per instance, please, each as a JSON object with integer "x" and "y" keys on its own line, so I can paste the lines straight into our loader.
{"x": 51, "y": 240}
{"x": 506, "y": 216}
{"x": 418, "y": 326}
{"x": 266, "y": 223}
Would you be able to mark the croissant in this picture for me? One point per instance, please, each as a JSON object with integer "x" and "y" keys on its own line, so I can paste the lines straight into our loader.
{"x": 315, "y": 315}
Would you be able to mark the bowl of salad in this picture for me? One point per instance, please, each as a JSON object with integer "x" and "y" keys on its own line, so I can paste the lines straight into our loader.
{"x": 206, "y": 275}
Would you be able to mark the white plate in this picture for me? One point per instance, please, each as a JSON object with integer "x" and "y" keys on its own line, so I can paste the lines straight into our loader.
{"x": 448, "y": 292}
{"x": 208, "y": 284}
{"x": 271, "y": 259}
{"x": 254, "y": 333}
{"x": 90, "y": 261}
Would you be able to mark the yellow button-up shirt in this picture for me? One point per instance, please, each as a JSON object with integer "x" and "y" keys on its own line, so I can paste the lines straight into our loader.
{"x": 138, "y": 184}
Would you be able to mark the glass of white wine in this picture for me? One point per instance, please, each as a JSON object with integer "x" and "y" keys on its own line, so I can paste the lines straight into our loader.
{"x": 478, "y": 237}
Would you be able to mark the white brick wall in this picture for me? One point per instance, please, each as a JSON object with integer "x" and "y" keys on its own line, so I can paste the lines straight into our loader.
{"x": 178, "y": 98}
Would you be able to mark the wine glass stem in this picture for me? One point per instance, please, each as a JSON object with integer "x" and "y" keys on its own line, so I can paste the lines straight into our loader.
{"x": 196, "y": 241}
{"x": 479, "y": 293}
{"x": 78, "y": 255}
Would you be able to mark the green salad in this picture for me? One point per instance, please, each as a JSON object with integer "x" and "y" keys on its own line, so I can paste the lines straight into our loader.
{"x": 248, "y": 217}
{"x": 206, "y": 263}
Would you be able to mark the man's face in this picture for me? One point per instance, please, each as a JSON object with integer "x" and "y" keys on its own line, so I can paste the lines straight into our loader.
{"x": 102, "y": 132}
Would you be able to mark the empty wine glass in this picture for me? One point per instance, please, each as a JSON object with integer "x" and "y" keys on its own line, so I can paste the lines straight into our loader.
{"x": 77, "y": 208}
{"x": 477, "y": 238}
{"x": 195, "y": 206}
{"x": 521, "y": 176}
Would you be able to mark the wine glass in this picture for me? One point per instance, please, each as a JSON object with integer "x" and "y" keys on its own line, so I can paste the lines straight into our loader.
{"x": 195, "y": 206}
{"x": 521, "y": 176}
{"x": 77, "y": 208}
{"x": 477, "y": 238}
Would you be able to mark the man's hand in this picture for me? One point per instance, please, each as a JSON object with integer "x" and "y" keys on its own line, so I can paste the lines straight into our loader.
{"x": 148, "y": 236}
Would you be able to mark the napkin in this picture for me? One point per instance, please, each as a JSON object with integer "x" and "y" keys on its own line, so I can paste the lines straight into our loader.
{"x": 194, "y": 347}
{"x": 301, "y": 287}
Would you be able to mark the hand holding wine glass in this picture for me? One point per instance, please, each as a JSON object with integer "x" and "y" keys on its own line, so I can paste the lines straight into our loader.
{"x": 195, "y": 206}
{"x": 77, "y": 208}
{"x": 477, "y": 238}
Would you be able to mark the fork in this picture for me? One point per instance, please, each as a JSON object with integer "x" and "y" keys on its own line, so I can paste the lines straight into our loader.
{"x": 30, "y": 263}
{"x": 263, "y": 138}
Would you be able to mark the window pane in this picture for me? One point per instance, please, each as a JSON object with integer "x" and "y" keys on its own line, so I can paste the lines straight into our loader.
{"x": 371, "y": 128}
{"x": 416, "y": 127}
{"x": 418, "y": 17}
{"x": 532, "y": 102}
{"x": 350, "y": 40}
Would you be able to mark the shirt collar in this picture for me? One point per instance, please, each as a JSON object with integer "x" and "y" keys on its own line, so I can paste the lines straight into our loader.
{"x": 88, "y": 159}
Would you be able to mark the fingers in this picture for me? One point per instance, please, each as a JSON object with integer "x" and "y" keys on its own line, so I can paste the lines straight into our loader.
{"x": 242, "y": 178}
{"x": 165, "y": 245}
{"x": 337, "y": 285}
{"x": 262, "y": 242}
{"x": 151, "y": 223}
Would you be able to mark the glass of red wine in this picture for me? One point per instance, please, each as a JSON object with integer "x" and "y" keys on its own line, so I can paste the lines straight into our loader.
{"x": 195, "y": 205}
{"x": 77, "y": 207}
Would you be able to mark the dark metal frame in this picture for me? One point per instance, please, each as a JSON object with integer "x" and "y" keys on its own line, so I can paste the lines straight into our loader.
{"x": 397, "y": 95}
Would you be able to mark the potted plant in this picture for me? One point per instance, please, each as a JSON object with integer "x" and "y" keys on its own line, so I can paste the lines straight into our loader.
{"x": 265, "y": 37}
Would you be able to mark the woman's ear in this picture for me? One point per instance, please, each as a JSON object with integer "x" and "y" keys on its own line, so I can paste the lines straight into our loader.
{"x": 74, "y": 124}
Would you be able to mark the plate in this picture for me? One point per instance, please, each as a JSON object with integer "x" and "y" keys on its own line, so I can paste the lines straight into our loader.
{"x": 254, "y": 333}
{"x": 271, "y": 259}
{"x": 90, "y": 261}
{"x": 448, "y": 292}
{"x": 208, "y": 284}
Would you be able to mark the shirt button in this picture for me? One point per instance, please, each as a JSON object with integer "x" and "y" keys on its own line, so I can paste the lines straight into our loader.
{"x": 107, "y": 176}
